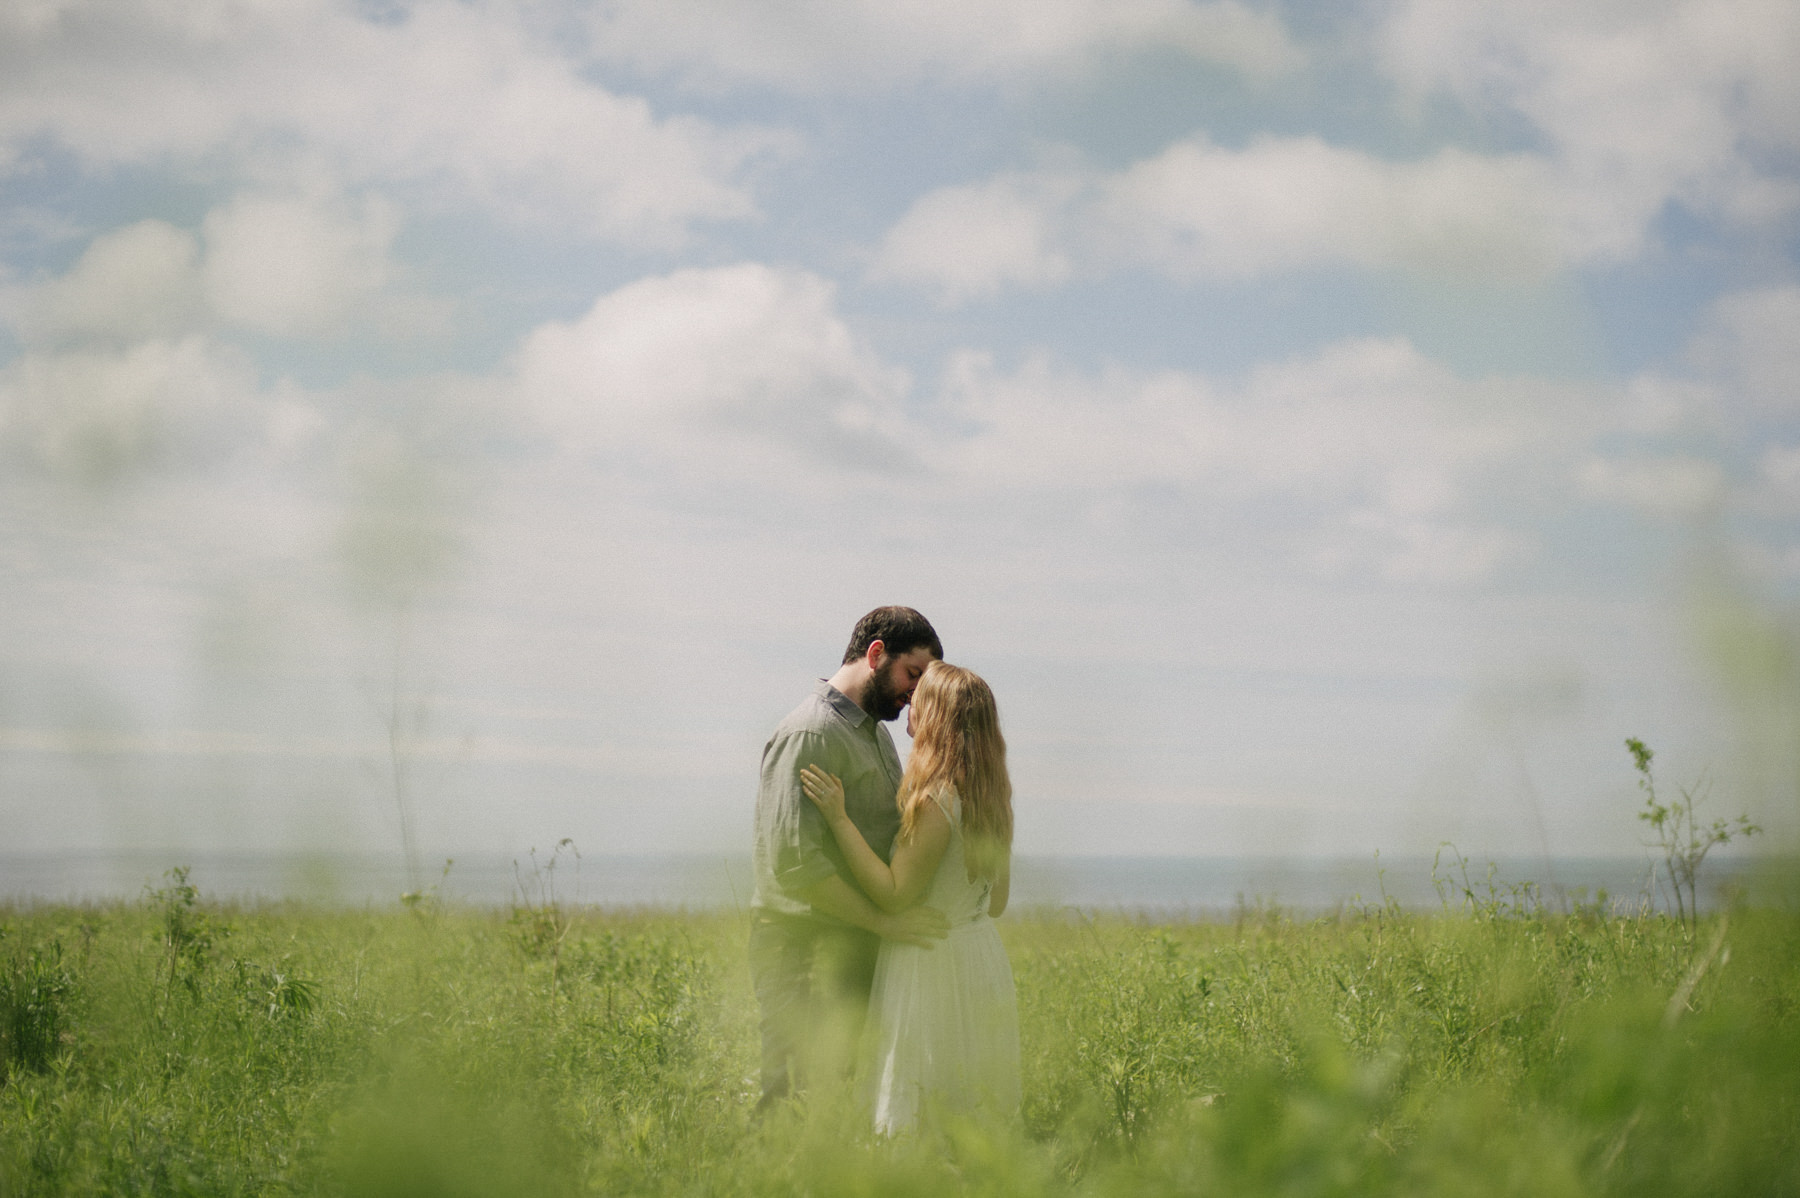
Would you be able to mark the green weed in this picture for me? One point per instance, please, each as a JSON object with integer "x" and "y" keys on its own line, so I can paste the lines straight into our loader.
{"x": 36, "y": 990}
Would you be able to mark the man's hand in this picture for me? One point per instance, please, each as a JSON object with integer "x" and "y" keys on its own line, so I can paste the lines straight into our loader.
{"x": 922, "y": 927}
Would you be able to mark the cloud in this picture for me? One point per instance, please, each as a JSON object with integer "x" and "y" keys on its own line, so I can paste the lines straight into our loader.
{"x": 719, "y": 462}
{"x": 94, "y": 416}
{"x": 312, "y": 267}
{"x": 457, "y": 101}
{"x": 290, "y": 268}
{"x": 1630, "y": 109}
{"x": 706, "y": 365}
{"x": 1197, "y": 210}
{"x": 135, "y": 282}
{"x": 1661, "y": 486}
{"x": 1683, "y": 100}
{"x": 1725, "y": 394}
{"x": 126, "y": 367}
{"x": 969, "y": 242}
{"x": 1363, "y": 457}
{"x": 852, "y": 44}
{"x": 1281, "y": 203}
{"x": 1427, "y": 552}
{"x": 1752, "y": 339}
{"x": 1704, "y": 438}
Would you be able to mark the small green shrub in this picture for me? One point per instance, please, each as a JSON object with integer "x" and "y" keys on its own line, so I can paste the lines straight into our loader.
{"x": 1680, "y": 835}
{"x": 187, "y": 931}
{"x": 276, "y": 990}
{"x": 35, "y": 994}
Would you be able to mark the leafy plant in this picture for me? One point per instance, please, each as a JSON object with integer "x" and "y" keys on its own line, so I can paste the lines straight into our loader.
{"x": 35, "y": 990}
{"x": 540, "y": 922}
{"x": 187, "y": 931}
{"x": 276, "y": 989}
{"x": 1680, "y": 833}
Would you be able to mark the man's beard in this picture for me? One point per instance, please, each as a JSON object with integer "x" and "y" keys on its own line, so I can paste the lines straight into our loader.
{"x": 885, "y": 700}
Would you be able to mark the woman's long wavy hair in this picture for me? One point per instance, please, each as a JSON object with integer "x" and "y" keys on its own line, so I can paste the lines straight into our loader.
{"x": 957, "y": 743}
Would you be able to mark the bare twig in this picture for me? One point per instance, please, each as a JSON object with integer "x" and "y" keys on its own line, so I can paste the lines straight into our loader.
{"x": 1618, "y": 1144}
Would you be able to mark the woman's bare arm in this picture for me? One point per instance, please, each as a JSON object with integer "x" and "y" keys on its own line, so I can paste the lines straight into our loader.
{"x": 919, "y": 926}
{"x": 891, "y": 886}
{"x": 1002, "y": 889}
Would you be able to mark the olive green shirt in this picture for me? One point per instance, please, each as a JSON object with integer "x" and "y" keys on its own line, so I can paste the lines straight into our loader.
{"x": 794, "y": 849}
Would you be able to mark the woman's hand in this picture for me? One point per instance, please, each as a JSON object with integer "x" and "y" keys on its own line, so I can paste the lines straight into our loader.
{"x": 825, "y": 791}
{"x": 892, "y": 886}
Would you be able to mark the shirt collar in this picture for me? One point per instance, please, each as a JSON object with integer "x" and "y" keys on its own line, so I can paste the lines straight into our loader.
{"x": 841, "y": 703}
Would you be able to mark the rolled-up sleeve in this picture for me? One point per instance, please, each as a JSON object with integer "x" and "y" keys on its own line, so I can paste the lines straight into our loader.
{"x": 793, "y": 834}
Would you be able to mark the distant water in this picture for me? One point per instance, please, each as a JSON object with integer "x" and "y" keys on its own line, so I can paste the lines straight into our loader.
{"x": 1193, "y": 887}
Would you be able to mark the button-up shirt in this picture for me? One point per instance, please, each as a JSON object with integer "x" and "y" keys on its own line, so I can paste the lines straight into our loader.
{"x": 794, "y": 849}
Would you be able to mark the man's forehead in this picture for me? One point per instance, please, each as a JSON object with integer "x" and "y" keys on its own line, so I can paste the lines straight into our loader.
{"x": 917, "y": 658}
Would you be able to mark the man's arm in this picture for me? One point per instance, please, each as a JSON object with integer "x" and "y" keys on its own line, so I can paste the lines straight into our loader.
{"x": 923, "y": 926}
{"x": 789, "y": 825}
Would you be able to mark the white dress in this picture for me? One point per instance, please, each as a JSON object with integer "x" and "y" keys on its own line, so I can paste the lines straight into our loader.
{"x": 944, "y": 1021}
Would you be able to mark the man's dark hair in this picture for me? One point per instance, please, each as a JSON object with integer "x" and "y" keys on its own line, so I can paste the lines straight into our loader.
{"x": 899, "y": 629}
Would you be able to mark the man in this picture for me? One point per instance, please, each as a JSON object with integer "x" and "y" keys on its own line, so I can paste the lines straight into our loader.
{"x": 813, "y": 934}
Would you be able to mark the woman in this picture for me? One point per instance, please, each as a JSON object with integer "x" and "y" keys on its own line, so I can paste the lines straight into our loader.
{"x": 943, "y": 1021}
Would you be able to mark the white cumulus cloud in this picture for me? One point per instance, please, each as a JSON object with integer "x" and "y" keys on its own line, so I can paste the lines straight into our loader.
{"x": 133, "y": 282}
{"x": 705, "y": 365}
{"x": 1366, "y": 456}
{"x": 456, "y": 100}
{"x": 1660, "y": 485}
{"x": 1281, "y": 203}
{"x": 969, "y": 242}
{"x": 291, "y": 268}
{"x": 1197, "y": 210}
{"x": 1642, "y": 103}
{"x": 1631, "y": 108}
{"x": 93, "y": 416}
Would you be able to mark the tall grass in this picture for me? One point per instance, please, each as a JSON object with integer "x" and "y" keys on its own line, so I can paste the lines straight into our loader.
{"x": 179, "y": 1047}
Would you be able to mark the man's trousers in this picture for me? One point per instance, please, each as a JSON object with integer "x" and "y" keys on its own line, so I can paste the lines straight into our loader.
{"x": 812, "y": 981}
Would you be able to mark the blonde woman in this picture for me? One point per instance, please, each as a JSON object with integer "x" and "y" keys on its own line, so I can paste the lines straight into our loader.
{"x": 943, "y": 1021}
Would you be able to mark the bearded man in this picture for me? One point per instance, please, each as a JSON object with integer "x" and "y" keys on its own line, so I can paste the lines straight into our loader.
{"x": 814, "y": 935}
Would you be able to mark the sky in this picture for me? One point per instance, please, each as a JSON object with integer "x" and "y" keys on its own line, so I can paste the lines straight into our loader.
{"x": 1331, "y": 427}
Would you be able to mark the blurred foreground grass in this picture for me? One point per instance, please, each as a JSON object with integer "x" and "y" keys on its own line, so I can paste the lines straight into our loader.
{"x": 176, "y": 1047}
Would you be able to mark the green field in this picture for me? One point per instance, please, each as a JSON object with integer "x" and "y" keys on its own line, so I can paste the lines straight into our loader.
{"x": 178, "y": 1047}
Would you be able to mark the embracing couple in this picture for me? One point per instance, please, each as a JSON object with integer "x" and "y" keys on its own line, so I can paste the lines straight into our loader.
{"x": 875, "y": 888}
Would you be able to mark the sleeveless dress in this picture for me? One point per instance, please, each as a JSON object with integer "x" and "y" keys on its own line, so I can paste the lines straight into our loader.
{"x": 944, "y": 1021}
